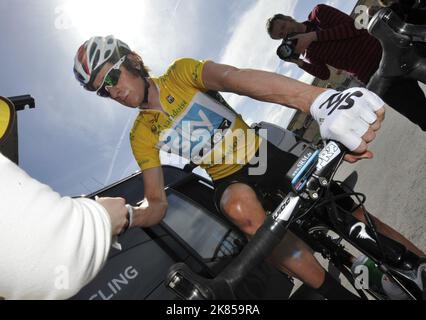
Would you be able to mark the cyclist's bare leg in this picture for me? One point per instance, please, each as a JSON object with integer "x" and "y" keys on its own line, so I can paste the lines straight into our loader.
{"x": 389, "y": 232}
{"x": 292, "y": 255}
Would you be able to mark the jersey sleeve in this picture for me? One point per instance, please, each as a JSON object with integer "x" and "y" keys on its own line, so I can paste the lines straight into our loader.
{"x": 143, "y": 145}
{"x": 188, "y": 72}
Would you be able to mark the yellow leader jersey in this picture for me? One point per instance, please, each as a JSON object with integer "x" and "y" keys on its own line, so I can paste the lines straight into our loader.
{"x": 193, "y": 125}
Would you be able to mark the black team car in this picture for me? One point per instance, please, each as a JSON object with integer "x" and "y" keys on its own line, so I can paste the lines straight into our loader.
{"x": 193, "y": 231}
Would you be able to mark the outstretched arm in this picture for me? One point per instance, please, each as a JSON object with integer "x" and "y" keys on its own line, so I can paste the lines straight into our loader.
{"x": 260, "y": 85}
{"x": 351, "y": 117}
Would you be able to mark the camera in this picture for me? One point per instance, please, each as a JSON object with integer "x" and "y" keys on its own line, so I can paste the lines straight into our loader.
{"x": 286, "y": 49}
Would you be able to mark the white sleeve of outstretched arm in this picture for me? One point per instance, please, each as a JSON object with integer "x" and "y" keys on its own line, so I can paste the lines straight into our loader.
{"x": 50, "y": 246}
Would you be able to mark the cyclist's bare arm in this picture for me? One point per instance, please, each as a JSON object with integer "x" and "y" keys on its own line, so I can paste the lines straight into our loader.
{"x": 260, "y": 85}
{"x": 275, "y": 88}
{"x": 154, "y": 206}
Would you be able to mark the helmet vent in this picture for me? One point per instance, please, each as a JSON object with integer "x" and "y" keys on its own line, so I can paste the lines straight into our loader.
{"x": 107, "y": 54}
{"x": 96, "y": 59}
{"x": 92, "y": 51}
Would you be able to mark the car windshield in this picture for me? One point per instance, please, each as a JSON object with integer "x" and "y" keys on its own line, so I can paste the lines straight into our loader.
{"x": 202, "y": 231}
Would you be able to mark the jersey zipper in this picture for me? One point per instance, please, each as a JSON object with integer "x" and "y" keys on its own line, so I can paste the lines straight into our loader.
{"x": 162, "y": 108}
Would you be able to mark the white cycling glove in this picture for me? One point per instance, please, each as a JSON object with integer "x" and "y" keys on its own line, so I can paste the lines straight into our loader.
{"x": 346, "y": 116}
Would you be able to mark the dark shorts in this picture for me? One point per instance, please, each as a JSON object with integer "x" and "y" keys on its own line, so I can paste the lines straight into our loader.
{"x": 272, "y": 185}
{"x": 278, "y": 164}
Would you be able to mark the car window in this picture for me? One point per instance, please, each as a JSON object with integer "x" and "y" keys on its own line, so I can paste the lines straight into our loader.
{"x": 206, "y": 234}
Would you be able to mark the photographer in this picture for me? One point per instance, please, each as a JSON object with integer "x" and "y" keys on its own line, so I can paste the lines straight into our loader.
{"x": 329, "y": 38}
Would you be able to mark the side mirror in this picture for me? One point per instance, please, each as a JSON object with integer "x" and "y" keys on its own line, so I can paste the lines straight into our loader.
{"x": 7, "y": 118}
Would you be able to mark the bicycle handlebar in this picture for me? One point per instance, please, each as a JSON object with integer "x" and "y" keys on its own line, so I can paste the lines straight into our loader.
{"x": 400, "y": 57}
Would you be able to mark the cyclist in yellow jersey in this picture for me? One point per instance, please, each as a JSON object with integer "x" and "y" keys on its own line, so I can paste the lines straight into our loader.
{"x": 179, "y": 115}
{"x": 183, "y": 101}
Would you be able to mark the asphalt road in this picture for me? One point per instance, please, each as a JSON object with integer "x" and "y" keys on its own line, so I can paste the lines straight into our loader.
{"x": 395, "y": 180}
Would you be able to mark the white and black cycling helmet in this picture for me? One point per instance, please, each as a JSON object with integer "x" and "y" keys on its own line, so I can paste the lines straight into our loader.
{"x": 93, "y": 54}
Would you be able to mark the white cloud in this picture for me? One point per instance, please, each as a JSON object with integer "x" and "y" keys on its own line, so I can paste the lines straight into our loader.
{"x": 157, "y": 29}
{"x": 250, "y": 45}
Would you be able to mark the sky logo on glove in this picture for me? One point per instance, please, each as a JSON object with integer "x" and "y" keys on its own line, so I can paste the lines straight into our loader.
{"x": 336, "y": 101}
{"x": 356, "y": 113}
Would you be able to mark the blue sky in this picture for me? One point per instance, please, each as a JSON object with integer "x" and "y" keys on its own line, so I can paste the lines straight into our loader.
{"x": 78, "y": 143}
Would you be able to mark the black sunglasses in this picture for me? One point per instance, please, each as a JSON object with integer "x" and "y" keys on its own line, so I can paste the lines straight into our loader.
{"x": 111, "y": 79}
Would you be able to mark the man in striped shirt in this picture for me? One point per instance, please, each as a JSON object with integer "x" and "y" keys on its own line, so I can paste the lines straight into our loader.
{"x": 329, "y": 38}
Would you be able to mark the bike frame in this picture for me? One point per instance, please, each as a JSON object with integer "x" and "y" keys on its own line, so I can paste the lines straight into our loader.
{"x": 400, "y": 60}
{"x": 392, "y": 258}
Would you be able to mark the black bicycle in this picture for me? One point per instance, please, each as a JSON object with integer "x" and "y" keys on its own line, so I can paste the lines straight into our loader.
{"x": 313, "y": 210}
